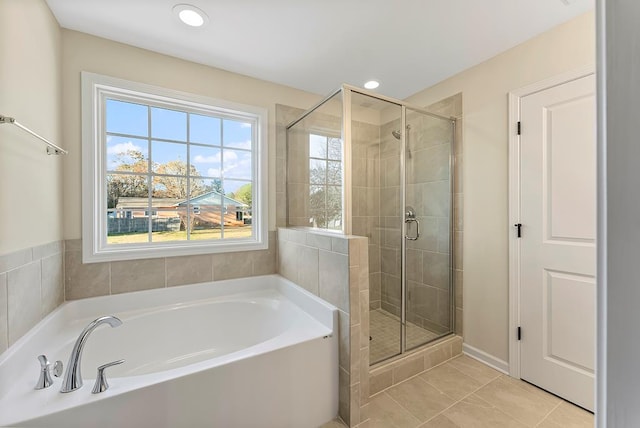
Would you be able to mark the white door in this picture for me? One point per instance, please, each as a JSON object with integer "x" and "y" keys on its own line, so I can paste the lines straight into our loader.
{"x": 558, "y": 248}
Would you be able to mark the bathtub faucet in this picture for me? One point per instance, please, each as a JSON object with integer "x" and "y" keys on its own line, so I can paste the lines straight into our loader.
{"x": 73, "y": 377}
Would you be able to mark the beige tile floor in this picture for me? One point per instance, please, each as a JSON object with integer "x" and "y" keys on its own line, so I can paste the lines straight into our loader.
{"x": 464, "y": 393}
{"x": 384, "y": 329}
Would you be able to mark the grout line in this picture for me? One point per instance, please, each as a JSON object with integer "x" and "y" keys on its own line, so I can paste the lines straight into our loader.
{"x": 460, "y": 400}
{"x": 165, "y": 272}
{"x": 548, "y": 414}
{"x": 409, "y": 378}
{"x": 64, "y": 270}
{"x": 482, "y": 385}
{"x": 466, "y": 375}
{"x": 110, "y": 292}
{"x": 536, "y": 388}
{"x": 443, "y": 393}
{"x": 6, "y": 289}
{"x": 492, "y": 380}
{"x": 42, "y": 314}
{"x": 405, "y": 409}
{"x": 499, "y": 410}
{"x": 440, "y": 391}
{"x": 484, "y": 365}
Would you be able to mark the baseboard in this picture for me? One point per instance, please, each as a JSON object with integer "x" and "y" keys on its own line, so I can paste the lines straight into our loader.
{"x": 483, "y": 357}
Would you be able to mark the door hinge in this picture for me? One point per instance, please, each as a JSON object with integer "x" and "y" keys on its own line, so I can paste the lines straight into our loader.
{"x": 518, "y": 226}
{"x": 519, "y": 333}
{"x": 519, "y": 128}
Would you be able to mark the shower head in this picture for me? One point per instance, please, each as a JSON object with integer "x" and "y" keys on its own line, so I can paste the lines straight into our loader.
{"x": 398, "y": 135}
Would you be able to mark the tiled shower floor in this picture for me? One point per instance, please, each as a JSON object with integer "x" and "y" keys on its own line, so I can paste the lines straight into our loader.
{"x": 385, "y": 335}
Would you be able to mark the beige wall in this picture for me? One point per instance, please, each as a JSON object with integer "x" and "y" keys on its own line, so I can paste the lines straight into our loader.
{"x": 82, "y": 52}
{"x": 30, "y": 75}
{"x": 485, "y": 183}
{"x": 30, "y": 180}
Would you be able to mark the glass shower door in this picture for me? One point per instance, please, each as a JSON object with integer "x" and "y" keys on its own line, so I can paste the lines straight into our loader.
{"x": 377, "y": 194}
{"x": 427, "y": 217}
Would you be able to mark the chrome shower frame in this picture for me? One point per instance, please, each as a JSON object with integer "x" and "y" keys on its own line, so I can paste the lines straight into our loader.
{"x": 347, "y": 91}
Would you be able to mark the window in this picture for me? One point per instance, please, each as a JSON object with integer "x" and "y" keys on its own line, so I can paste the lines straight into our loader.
{"x": 192, "y": 162}
{"x": 325, "y": 181}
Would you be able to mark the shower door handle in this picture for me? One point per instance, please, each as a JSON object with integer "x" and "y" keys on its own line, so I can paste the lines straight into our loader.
{"x": 409, "y": 221}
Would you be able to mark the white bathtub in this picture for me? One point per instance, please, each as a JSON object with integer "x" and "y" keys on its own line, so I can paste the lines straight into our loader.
{"x": 256, "y": 352}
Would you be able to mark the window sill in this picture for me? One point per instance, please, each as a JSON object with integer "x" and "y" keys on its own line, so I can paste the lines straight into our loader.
{"x": 136, "y": 252}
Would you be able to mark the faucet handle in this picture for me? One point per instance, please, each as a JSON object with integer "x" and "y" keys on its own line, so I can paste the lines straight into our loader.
{"x": 45, "y": 381}
{"x": 57, "y": 368}
{"x": 101, "y": 384}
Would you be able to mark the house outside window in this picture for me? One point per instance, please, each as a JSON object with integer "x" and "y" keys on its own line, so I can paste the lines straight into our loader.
{"x": 192, "y": 162}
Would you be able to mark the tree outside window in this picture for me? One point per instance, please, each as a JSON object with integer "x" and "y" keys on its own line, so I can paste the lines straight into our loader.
{"x": 325, "y": 181}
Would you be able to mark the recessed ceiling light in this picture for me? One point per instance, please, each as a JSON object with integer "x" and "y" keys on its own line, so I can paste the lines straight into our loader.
{"x": 190, "y": 15}
{"x": 372, "y": 84}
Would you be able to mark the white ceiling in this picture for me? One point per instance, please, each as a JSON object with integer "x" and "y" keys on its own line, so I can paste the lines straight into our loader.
{"x": 315, "y": 45}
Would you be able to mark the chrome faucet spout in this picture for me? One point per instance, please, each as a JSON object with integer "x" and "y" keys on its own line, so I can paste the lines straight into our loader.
{"x": 73, "y": 376}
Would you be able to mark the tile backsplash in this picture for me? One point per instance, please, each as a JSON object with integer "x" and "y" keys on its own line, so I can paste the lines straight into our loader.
{"x": 100, "y": 279}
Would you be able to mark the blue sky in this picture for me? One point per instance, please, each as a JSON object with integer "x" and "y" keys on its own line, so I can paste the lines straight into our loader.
{"x": 208, "y": 155}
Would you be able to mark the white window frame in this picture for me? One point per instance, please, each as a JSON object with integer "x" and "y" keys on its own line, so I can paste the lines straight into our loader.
{"x": 95, "y": 88}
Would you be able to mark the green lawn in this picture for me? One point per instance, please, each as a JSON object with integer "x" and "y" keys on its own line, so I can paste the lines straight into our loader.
{"x": 134, "y": 238}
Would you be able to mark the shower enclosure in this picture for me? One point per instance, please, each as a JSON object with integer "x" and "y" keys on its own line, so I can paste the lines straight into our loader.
{"x": 364, "y": 164}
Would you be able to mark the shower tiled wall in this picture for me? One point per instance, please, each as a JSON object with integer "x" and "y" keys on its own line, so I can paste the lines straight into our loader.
{"x": 366, "y": 205}
{"x": 31, "y": 286}
{"x": 452, "y": 107}
{"x": 390, "y": 218}
{"x": 428, "y": 193}
{"x": 284, "y": 116}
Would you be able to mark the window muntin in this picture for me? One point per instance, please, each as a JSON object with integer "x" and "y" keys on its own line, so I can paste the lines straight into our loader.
{"x": 325, "y": 181}
{"x": 197, "y": 167}
{"x": 166, "y": 171}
